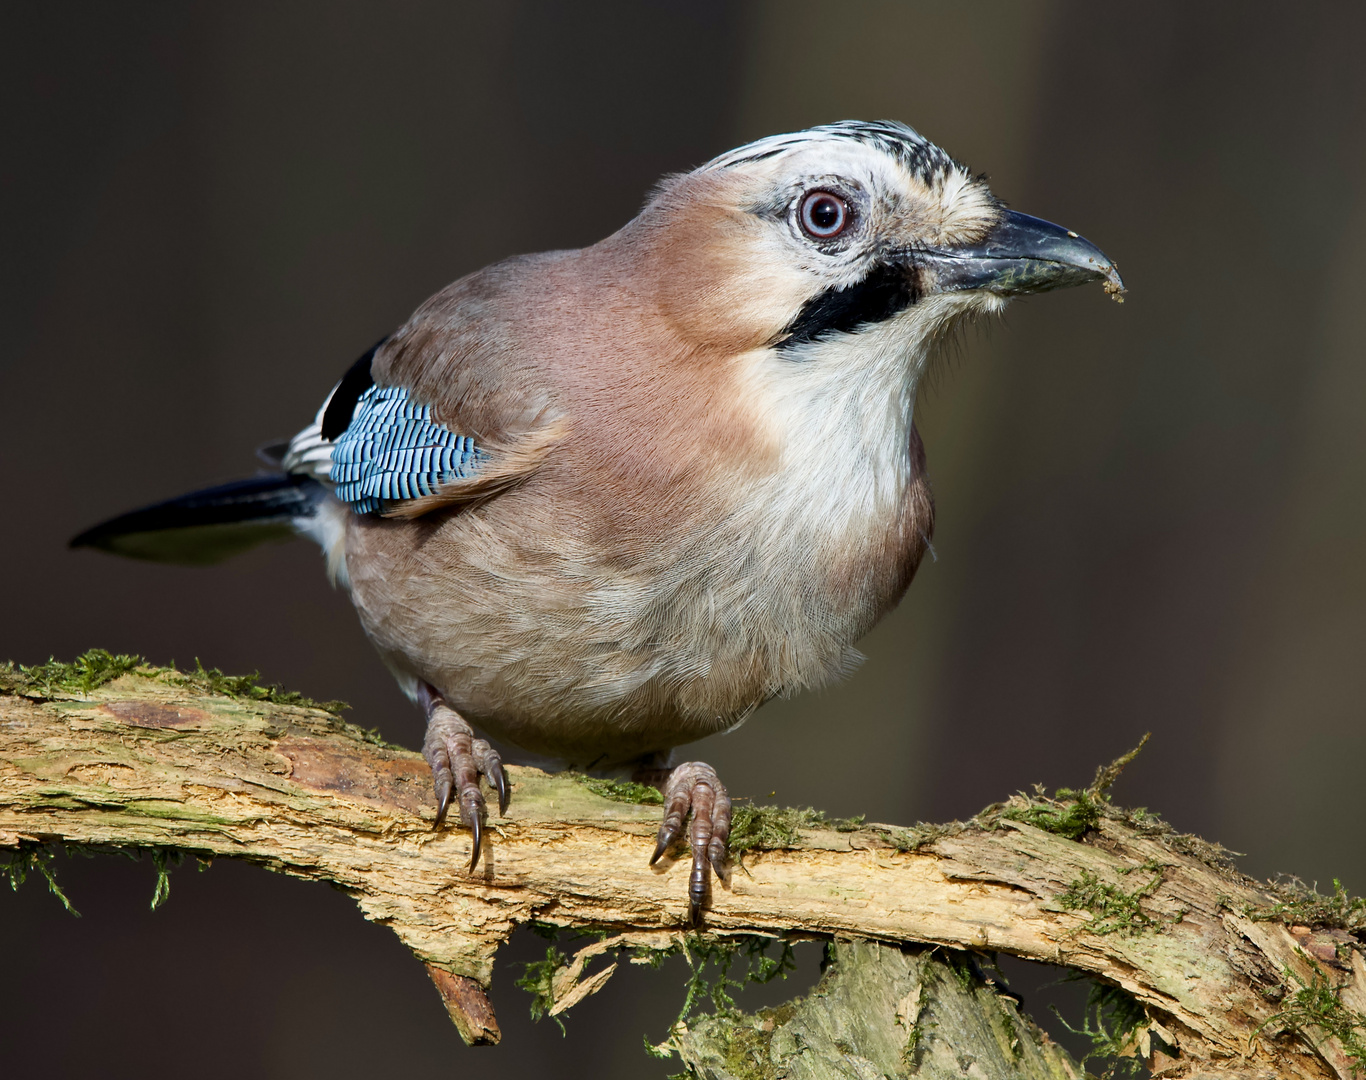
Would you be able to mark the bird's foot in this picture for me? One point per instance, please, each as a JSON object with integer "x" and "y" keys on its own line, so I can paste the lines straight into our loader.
{"x": 694, "y": 785}
{"x": 458, "y": 759}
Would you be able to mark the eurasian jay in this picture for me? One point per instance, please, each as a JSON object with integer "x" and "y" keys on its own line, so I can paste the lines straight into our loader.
{"x": 598, "y": 504}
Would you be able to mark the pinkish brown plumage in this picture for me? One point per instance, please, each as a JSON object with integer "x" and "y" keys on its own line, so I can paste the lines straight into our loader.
{"x": 603, "y": 503}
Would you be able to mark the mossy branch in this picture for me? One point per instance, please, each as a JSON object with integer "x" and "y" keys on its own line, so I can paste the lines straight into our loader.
{"x": 1231, "y": 977}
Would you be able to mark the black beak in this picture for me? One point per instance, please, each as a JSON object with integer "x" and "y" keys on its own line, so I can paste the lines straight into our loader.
{"x": 1023, "y": 254}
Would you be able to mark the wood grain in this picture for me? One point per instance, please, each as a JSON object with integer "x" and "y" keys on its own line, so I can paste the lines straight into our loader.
{"x": 140, "y": 762}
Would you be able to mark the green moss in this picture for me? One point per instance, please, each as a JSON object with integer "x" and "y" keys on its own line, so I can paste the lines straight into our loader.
{"x": 627, "y": 791}
{"x": 35, "y": 859}
{"x": 538, "y": 979}
{"x": 96, "y": 667}
{"x": 772, "y": 828}
{"x": 244, "y": 687}
{"x": 751, "y": 827}
{"x": 1075, "y": 813}
{"x": 745, "y": 1049}
{"x": 744, "y": 1046}
{"x": 1106, "y": 775}
{"x": 163, "y": 859}
{"x": 963, "y": 968}
{"x": 710, "y": 961}
{"x": 1111, "y": 1020}
{"x": 1069, "y": 813}
{"x": 1315, "y": 1006}
{"x": 1062, "y": 816}
{"x": 1301, "y": 905}
{"x": 38, "y": 858}
{"x": 1113, "y": 910}
{"x": 89, "y": 671}
{"x": 712, "y": 974}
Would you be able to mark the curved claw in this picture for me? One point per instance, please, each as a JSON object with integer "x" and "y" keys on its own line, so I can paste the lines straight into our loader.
{"x": 672, "y": 828}
{"x": 477, "y": 830}
{"x": 458, "y": 760}
{"x": 443, "y": 803}
{"x": 500, "y": 782}
{"x": 696, "y": 787}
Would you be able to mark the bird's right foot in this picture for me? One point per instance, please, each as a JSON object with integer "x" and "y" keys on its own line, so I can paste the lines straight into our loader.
{"x": 694, "y": 786}
{"x": 457, "y": 760}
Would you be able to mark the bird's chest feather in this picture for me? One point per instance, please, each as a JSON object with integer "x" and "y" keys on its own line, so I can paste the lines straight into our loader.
{"x": 813, "y": 551}
{"x": 570, "y": 624}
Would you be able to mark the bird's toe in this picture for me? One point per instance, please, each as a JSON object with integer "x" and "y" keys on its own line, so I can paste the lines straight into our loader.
{"x": 458, "y": 760}
{"x": 694, "y": 786}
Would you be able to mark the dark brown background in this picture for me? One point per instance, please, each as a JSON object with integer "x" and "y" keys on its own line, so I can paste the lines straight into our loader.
{"x": 1151, "y": 517}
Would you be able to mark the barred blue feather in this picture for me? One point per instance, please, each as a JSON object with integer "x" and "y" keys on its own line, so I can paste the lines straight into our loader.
{"x": 394, "y": 450}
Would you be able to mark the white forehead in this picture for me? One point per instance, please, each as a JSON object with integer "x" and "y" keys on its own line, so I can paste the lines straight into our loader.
{"x": 884, "y": 150}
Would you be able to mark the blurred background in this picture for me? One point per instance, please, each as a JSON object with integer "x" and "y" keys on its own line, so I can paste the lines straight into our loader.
{"x": 1151, "y": 517}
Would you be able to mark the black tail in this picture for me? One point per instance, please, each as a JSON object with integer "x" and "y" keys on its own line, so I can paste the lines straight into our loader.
{"x": 209, "y": 526}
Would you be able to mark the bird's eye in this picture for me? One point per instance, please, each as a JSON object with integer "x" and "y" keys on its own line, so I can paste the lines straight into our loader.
{"x": 824, "y": 215}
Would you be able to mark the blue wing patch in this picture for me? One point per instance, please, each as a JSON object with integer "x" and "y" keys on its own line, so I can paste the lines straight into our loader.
{"x": 394, "y": 450}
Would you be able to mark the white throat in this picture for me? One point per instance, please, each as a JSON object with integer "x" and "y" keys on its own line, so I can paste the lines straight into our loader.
{"x": 841, "y": 410}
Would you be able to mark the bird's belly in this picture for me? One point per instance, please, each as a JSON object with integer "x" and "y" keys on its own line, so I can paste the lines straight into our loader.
{"x": 558, "y": 682}
{"x": 593, "y": 661}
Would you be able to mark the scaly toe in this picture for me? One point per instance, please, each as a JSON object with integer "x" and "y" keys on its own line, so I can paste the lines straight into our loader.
{"x": 457, "y": 760}
{"x": 695, "y": 786}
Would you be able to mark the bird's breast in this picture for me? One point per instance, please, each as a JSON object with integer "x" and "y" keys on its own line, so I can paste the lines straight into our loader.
{"x": 672, "y": 569}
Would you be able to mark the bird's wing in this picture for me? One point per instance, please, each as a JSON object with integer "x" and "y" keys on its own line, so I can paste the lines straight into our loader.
{"x": 381, "y": 449}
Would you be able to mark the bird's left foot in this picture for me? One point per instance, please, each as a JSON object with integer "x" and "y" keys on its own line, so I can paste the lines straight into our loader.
{"x": 694, "y": 785}
{"x": 458, "y": 759}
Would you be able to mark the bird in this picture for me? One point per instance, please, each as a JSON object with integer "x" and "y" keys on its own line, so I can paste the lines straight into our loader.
{"x": 594, "y": 505}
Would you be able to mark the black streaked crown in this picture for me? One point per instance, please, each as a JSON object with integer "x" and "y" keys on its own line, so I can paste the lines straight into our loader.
{"x": 899, "y": 142}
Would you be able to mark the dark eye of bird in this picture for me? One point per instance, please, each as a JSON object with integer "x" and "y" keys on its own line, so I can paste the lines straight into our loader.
{"x": 824, "y": 215}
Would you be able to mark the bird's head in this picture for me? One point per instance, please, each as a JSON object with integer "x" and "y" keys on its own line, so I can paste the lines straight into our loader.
{"x": 845, "y": 230}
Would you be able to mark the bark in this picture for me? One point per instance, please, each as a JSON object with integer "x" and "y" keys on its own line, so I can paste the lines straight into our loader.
{"x": 881, "y": 1011}
{"x": 150, "y": 760}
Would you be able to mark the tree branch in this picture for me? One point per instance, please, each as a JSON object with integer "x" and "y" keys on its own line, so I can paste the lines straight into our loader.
{"x": 151, "y": 759}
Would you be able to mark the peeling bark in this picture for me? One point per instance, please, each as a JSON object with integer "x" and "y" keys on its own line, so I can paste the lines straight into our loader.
{"x": 881, "y": 1011}
{"x": 143, "y": 762}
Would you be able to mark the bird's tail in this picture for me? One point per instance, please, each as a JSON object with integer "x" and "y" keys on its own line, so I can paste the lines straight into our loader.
{"x": 211, "y": 525}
